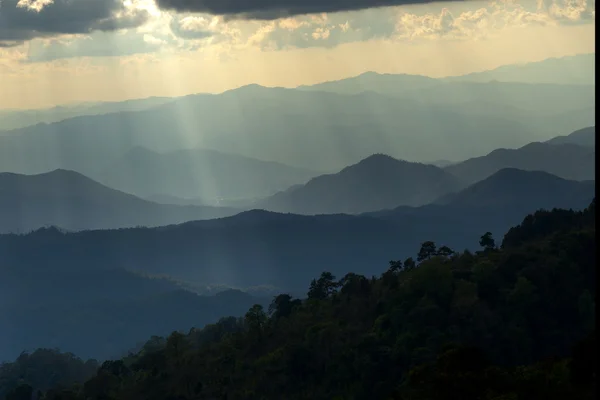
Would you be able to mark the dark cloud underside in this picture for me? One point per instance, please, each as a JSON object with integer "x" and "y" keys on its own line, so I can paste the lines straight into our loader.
{"x": 18, "y": 24}
{"x": 273, "y": 9}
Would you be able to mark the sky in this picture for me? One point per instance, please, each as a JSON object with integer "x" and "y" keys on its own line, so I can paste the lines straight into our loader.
{"x": 55, "y": 52}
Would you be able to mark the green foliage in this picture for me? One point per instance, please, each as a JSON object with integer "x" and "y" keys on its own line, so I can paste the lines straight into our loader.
{"x": 487, "y": 241}
{"x": 42, "y": 370}
{"x": 495, "y": 325}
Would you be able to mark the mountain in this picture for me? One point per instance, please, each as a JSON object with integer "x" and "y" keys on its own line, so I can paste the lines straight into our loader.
{"x": 514, "y": 320}
{"x": 312, "y": 130}
{"x": 206, "y": 174}
{"x": 100, "y": 313}
{"x": 14, "y": 119}
{"x": 518, "y": 189}
{"x": 570, "y": 70}
{"x": 261, "y": 248}
{"x": 568, "y": 161}
{"x": 442, "y": 163}
{"x": 493, "y": 96}
{"x": 375, "y": 183}
{"x": 391, "y": 84}
{"x": 581, "y": 137}
{"x": 75, "y": 202}
{"x": 533, "y": 99}
{"x": 99, "y": 292}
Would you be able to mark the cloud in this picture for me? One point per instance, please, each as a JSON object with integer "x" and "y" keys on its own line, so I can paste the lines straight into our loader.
{"x": 486, "y": 21}
{"x": 570, "y": 11}
{"x": 98, "y": 44}
{"x": 22, "y": 20}
{"x": 324, "y": 30}
{"x": 456, "y": 22}
{"x": 274, "y": 9}
{"x": 193, "y": 27}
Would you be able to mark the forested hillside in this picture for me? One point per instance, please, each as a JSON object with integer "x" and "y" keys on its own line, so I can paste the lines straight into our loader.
{"x": 511, "y": 321}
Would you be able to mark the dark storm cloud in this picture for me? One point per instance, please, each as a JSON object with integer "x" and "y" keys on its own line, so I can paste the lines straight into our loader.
{"x": 18, "y": 24}
{"x": 273, "y": 9}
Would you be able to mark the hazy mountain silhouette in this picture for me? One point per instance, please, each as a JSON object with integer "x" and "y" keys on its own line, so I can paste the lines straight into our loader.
{"x": 71, "y": 289}
{"x": 178, "y": 201}
{"x": 568, "y": 161}
{"x": 309, "y": 129}
{"x": 205, "y": 174}
{"x": 286, "y": 250}
{"x": 573, "y": 70}
{"x": 442, "y": 163}
{"x": 372, "y": 81}
{"x": 537, "y": 99}
{"x": 14, "y": 119}
{"x": 489, "y": 95}
{"x": 581, "y": 137}
{"x": 100, "y": 313}
{"x": 515, "y": 188}
{"x": 375, "y": 183}
{"x": 74, "y": 202}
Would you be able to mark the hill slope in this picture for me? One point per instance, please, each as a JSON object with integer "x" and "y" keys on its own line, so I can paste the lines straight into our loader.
{"x": 74, "y": 202}
{"x": 205, "y": 174}
{"x": 375, "y": 183}
{"x": 567, "y": 161}
{"x": 285, "y": 251}
{"x": 15, "y": 119}
{"x": 581, "y": 137}
{"x": 392, "y": 84}
{"x": 309, "y": 129}
{"x": 515, "y": 321}
{"x": 514, "y": 188}
{"x": 99, "y": 313}
{"x": 573, "y": 70}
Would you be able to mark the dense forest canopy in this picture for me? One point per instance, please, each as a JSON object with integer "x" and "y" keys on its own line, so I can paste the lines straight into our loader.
{"x": 511, "y": 321}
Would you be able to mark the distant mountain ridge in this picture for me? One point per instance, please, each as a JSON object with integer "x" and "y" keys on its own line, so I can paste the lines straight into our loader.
{"x": 566, "y": 160}
{"x": 377, "y": 182}
{"x": 75, "y": 202}
{"x": 312, "y": 130}
{"x": 582, "y": 137}
{"x": 578, "y": 69}
{"x": 515, "y": 188}
{"x": 14, "y": 119}
{"x": 200, "y": 174}
{"x": 258, "y": 247}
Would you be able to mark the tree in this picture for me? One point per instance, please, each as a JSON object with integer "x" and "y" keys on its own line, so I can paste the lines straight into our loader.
{"x": 409, "y": 264}
{"x": 445, "y": 251}
{"x": 324, "y": 287}
{"x": 395, "y": 266}
{"x": 428, "y": 250}
{"x": 256, "y": 318}
{"x": 487, "y": 241}
{"x": 282, "y": 306}
{"x": 21, "y": 392}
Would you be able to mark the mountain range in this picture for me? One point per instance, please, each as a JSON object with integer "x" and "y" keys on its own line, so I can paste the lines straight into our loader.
{"x": 375, "y": 183}
{"x": 14, "y": 119}
{"x": 312, "y": 130}
{"x": 566, "y": 160}
{"x": 581, "y": 137}
{"x": 100, "y": 313}
{"x": 172, "y": 184}
{"x": 571, "y": 70}
{"x": 199, "y": 174}
{"x": 75, "y": 202}
{"x": 286, "y": 250}
{"x": 515, "y": 188}
{"x": 123, "y": 220}
{"x": 115, "y": 274}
